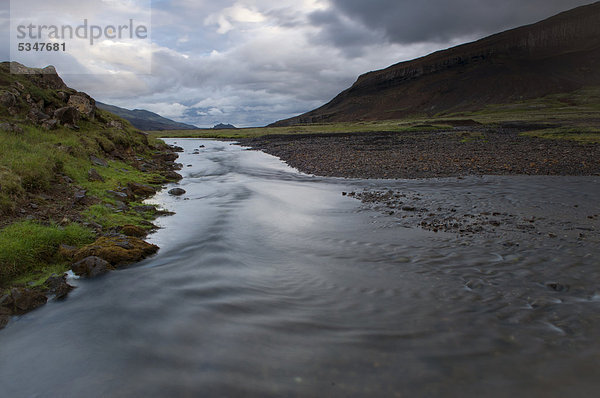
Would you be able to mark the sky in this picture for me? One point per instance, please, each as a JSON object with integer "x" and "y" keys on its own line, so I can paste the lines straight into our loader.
{"x": 252, "y": 62}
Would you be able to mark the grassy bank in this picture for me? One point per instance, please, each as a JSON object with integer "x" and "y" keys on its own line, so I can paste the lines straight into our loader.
{"x": 576, "y": 114}
{"x": 67, "y": 183}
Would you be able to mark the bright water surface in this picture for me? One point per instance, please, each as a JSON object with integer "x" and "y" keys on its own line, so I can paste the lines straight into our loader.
{"x": 271, "y": 283}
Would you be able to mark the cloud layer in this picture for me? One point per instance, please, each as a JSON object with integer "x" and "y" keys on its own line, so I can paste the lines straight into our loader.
{"x": 251, "y": 62}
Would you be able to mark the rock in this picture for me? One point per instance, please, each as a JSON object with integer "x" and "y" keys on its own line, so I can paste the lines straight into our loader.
{"x": 44, "y": 77}
{"x": 172, "y": 175}
{"x": 80, "y": 196}
{"x": 50, "y": 124}
{"x": 133, "y": 230}
{"x": 117, "y": 250}
{"x": 557, "y": 287}
{"x": 11, "y": 128}
{"x": 408, "y": 208}
{"x": 142, "y": 190}
{"x": 98, "y": 162}
{"x": 37, "y": 116}
{"x": 4, "y": 316}
{"x": 23, "y": 300}
{"x": 93, "y": 175}
{"x": 84, "y": 104}
{"x": 116, "y": 124}
{"x": 91, "y": 267}
{"x": 166, "y": 156}
{"x": 7, "y": 99}
{"x": 58, "y": 286}
{"x": 67, "y": 115}
{"x": 176, "y": 148}
{"x": 121, "y": 206}
{"x": 177, "y": 191}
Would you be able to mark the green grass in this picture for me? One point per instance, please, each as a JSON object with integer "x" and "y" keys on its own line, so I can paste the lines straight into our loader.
{"x": 321, "y": 128}
{"x": 581, "y": 134}
{"x": 29, "y": 247}
{"x": 33, "y": 162}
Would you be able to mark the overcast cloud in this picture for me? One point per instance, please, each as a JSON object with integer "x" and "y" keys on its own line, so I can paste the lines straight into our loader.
{"x": 251, "y": 62}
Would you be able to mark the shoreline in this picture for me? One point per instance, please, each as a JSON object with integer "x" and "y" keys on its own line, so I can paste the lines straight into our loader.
{"x": 112, "y": 248}
{"x": 420, "y": 156}
{"x": 430, "y": 154}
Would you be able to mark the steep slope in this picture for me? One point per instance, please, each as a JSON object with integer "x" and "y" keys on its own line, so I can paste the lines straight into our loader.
{"x": 559, "y": 54}
{"x": 146, "y": 120}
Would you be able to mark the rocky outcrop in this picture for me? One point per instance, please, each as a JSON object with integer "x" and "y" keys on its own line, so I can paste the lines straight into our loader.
{"x": 84, "y": 104}
{"x": 43, "y": 77}
{"x": 22, "y": 300}
{"x": 64, "y": 106}
{"x": 117, "y": 250}
{"x": 560, "y": 54}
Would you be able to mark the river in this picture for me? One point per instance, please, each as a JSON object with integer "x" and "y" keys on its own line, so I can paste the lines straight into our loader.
{"x": 270, "y": 282}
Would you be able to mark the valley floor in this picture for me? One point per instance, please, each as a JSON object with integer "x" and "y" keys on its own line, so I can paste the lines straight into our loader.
{"x": 493, "y": 151}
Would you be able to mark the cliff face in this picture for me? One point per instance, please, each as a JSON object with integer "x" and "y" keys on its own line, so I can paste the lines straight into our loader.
{"x": 559, "y": 54}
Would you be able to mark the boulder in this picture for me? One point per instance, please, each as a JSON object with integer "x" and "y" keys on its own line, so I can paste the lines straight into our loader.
{"x": 37, "y": 116}
{"x": 7, "y": 99}
{"x": 91, "y": 267}
{"x": 177, "y": 191}
{"x": 58, "y": 286}
{"x": 117, "y": 250}
{"x": 142, "y": 190}
{"x": 84, "y": 104}
{"x": 23, "y": 300}
{"x": 5, "y": 314}
{"x": 67, "y": 115}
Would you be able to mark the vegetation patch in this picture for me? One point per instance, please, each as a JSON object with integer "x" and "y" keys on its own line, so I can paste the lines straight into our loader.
{"x": 29, "y": 247}
{"x": 581, "y": 134}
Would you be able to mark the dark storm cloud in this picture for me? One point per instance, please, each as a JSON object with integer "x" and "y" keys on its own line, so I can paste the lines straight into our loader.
{"x": 437, "y": 20}
{"x": 343, "y": 32}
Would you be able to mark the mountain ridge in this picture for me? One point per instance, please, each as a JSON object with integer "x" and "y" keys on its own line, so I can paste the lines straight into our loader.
{"x": 145, "y": 120}
{"x": 558, "y": 54}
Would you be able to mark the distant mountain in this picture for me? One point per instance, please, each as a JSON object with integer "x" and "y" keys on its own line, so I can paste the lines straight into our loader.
{"x": 559, "y": 54}
{"x": 222, "y": 126}
{"x": 145, "y": 120}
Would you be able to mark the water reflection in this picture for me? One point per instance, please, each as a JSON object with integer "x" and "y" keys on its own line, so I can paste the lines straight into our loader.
{"x": 271, "y": 283}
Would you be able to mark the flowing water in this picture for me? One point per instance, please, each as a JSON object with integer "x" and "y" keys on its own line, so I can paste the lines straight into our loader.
{"x": 271, "y": 283}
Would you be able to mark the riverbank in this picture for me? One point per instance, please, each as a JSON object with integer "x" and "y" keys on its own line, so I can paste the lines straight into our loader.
{"x": 429, "y": 154}
{"x": 453, "y": 156}
{"x": 73, "y": 181}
